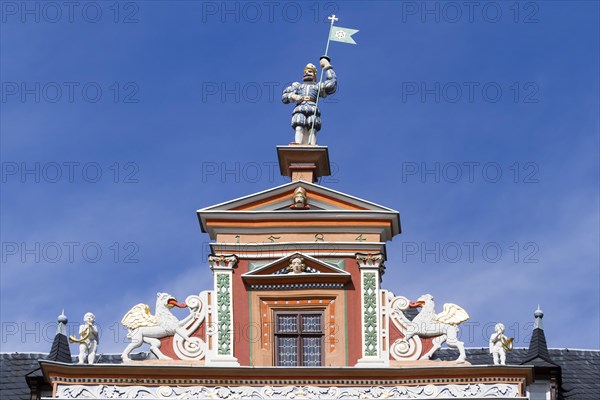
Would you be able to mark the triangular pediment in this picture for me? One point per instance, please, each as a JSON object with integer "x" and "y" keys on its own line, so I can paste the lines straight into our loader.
{"x": 281, "y": 199}
{"x": 278, "y": 210}
{"x": 299, "y": 269}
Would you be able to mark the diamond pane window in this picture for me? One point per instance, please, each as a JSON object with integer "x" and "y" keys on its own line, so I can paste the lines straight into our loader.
{"x": 288, "y": 351}
{"x": 287, "y": 324}
{"x": 311, "y": 323}
{"x": 311, "y": 351}
{"x": 299, "y": 339}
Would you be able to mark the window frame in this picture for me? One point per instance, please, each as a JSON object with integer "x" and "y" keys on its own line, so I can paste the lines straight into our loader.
{"x": 298, "y": 335}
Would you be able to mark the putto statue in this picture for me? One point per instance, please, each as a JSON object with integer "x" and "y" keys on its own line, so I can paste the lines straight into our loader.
{"x": 88, "y": 339}
{"x": 499, "y": 345}
{"x": 147, "y": 328}
{"x": 442, "y": 326}
{"x": 306, "y": 117}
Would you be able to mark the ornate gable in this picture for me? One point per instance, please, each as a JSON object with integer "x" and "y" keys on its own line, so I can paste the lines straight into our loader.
{"x": 329, "y": 329}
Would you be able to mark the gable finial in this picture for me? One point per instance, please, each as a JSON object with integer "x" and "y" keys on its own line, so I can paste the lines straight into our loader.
{"x": 62, "y": 319}
{"x": 538, "y": 314}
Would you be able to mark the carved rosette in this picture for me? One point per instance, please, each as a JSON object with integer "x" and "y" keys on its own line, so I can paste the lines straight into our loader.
{"x": 222, "y": 267}
{"x": 371, "y": 266}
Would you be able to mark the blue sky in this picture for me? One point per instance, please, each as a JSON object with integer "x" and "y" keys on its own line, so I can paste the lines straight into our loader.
{"x": 479, "y": 123}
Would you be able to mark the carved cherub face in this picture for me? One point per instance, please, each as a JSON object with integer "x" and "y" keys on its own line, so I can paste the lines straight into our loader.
{"x": 89, "y": 318}
{"x": 297, "y": 265}
{"x": 299, "y": 198}
{"x": 500, "y": 328}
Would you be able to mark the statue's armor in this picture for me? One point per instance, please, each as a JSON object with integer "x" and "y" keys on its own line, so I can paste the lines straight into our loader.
{"x": 306, "y": 111}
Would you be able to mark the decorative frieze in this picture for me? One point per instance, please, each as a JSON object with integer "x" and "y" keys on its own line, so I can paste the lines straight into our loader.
{"x": 293, "y": 286}
{"x": 477, "y": 390}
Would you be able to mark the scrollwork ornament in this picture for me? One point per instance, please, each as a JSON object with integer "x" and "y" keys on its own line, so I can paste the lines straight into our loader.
{"x": 430, "y": 390}
{"x": 192, "y": 348}
{"x": 408, "y": 350}
{"x": 189, "y": 349}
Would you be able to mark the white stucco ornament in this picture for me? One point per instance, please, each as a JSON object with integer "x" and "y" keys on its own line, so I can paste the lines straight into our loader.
{"x": 147, "y": 328}
{"x": 292, "y": 392}
{"x": 499, "y": 345}
{"x": 443, "y": 327}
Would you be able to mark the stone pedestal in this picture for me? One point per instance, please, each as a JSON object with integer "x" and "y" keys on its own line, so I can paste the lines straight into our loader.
{"x": 301, "y": 162}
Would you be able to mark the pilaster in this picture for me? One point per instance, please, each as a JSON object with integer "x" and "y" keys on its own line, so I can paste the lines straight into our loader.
{"x": 222, "y": 337}
{"x": 371, "y": 269}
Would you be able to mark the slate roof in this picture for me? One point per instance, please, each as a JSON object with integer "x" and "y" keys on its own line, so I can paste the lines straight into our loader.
{"x": 13, "y": 368}
{"x": 580, "y": 373}
{"x": 60, "y": 350}
{"x": 580, "y": 369}
{"x": 538, "y": 353}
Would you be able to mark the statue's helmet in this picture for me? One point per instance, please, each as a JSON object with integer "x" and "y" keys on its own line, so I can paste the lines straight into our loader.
{"x": 310, "y": 68}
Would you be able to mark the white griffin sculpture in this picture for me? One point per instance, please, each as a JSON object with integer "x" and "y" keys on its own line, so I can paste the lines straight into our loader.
{"x": 148, "y": 328}
{"x": 443, "y": 325}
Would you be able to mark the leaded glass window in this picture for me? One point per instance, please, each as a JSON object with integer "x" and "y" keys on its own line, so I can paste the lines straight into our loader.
{"x": 299, "y": 339}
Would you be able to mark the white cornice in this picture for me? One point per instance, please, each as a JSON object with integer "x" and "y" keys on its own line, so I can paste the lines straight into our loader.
{"x": 318, "y": 216}
{"x": 314, "y": 249}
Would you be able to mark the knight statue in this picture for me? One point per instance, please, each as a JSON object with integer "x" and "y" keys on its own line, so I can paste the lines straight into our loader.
{"x": 306, "y": 117}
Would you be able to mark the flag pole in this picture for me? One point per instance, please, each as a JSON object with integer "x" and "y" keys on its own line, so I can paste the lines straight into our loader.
{"x": 333, "y": 19}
